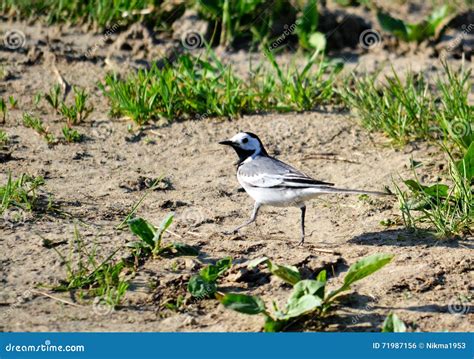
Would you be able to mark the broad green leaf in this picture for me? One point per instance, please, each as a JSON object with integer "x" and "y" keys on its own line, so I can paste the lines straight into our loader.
{"x": 419, "y": 204}
{"x": 143, "y": 229}
{"x": 211, "y": 272}
{"x": 243, "y": 303}
{"x": 416, "y": 32}
{"x": 360, "y": 270}
{"x": 466, "y": 165}
{"x": 255, "y": 262}
{"x": 305, "y": 304}
{"x": 159, "y": 233}
{"x": 211, "y": 8}
{"x": 200, "y": 288}
{"x": 437, "y": 20}
{"x": 289, "y": 274}
{"x": 224, "y": 264}
{"x": 322, "y": 276}
{"x": 366, "y": 267}
{"x": 309, "y": 19}
{"x": 393, "y": 324}
{"x": 414, "y": 186}
{"x": 185, "y": 249}
{"x": 306, "y": 296}
{"x": 393, "y": 25}
{"x": 271, "y": 325}
{"x": 164, "y": 225}
{"x": 317, "y": 40}
{"x": 307, "y": 286}
{"x": 430, "y": 27}
{"x": 437, "y": 190}
{"x": 307, "y": 23}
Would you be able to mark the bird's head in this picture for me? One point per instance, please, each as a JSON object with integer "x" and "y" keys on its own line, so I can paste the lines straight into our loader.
{"x": 246, "y": 144}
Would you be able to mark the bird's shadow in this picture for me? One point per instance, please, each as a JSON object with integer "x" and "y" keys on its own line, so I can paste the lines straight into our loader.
{"x": 408, "y": 238}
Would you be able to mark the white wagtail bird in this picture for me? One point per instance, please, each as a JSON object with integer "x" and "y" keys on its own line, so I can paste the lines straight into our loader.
{"x": 271, "y": 182}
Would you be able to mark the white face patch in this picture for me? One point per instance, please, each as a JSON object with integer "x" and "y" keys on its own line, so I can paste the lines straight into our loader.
{"x": 246, "y": 142}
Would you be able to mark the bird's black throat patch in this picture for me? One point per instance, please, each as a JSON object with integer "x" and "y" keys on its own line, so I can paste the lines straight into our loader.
{"x": 243, "y": 154}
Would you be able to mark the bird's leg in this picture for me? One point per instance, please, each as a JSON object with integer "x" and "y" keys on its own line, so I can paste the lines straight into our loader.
{"x": 252, "y": 219}
{"x": 303, "y": 212}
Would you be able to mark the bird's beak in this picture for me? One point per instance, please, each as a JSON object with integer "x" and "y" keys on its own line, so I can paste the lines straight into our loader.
{"x": 226, "y": 143}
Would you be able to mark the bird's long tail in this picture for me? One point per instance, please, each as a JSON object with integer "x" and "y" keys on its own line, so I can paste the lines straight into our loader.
{"x": 327, "y": 189}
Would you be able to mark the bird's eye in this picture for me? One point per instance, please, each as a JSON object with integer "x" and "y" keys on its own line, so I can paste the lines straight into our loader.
{"x": 245, "y": 140}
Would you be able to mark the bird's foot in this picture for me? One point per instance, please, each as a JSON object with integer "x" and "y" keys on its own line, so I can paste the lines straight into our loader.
{"x": 301, "y": 243}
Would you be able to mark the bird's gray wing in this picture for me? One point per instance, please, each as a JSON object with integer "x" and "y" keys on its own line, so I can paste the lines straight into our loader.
{"x": 269, "y": 172}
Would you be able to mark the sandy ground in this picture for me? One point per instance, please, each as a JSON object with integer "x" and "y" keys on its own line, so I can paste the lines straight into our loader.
{"x": 96, "y": 182}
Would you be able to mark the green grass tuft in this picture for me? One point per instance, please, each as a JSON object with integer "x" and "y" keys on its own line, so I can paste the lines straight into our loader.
{"x": 101, "y": 13}
{"x": 71, "y": 135}
{"x": 4, "y": 138}
{"x": 3, "y": 110}
{"x": 37, "y": 124}
{"x": 93, "y": 277}
{"x": 412, "y": 109}
{"x": 193, "y": 87}
{"x": 401, "y": 109}
{"x": 448, "y": 209}
{"x": 21, "y": 193}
